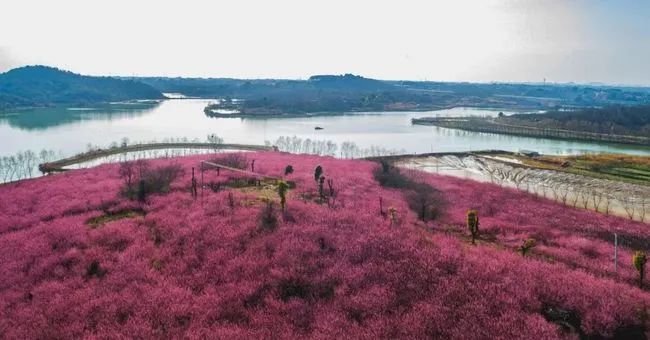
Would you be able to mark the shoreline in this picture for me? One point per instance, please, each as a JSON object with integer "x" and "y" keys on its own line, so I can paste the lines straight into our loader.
{"x": 352, "y": 112}
{"x": 468, "y": 124}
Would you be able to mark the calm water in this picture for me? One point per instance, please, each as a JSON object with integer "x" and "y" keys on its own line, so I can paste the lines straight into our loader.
{"x": 70, "y": 130}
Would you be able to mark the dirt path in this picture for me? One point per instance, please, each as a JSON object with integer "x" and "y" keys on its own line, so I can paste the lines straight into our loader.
{"x": 60, "y": 165}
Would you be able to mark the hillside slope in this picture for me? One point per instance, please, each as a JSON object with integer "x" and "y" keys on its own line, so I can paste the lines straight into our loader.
{"x": 80, "y": 260}
{"x": 43, "y": 86}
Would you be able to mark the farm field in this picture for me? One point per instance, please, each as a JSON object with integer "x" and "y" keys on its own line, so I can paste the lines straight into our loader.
{"x": 370, "y": 251}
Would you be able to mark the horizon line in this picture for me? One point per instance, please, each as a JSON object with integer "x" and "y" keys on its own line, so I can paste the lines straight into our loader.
{"x": 425, "y": 80}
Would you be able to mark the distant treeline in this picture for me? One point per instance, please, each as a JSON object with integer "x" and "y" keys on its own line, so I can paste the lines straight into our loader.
{"x": 327, "y": 93}
{"x": 45, "y": 86}
{"x": 618, "y": 120}
{"x": 38, "y": 86}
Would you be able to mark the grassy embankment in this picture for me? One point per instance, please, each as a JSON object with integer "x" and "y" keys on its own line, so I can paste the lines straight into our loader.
{"x": 624, "y": 168}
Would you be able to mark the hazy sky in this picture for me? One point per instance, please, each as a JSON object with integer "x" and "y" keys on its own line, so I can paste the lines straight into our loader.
{"x": 458, "y": 40}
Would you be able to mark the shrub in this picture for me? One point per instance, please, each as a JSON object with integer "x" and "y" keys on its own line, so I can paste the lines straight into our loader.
{"x": 282, "y": 192}
{"x": 330, "y": 185}
{"x": 288, "y": 170}
{"x": 156, "y": 180}
{"x": 233, "y": 160}
{"x": 321, "y": 181}
{"x": 421, "y": 197}
{"x": 393, "y": 215}
{"x": 305, "y": 290}
{"x": 268, "y": 218}
{"x": 473, "y": 224}
{"x": 142, "y": 191}
{"x": 527, "y": 246}
{"x": 231, "y": 200}
{"x": 318, "y": 172}
{"x": 127, "y": 173}
{"x": 425, "y": 201}
{"x": 94, "y": 269}
{"x": 639, "y": 260}
{"x": 391, "y": 177}
{"x": 215, "y": 139}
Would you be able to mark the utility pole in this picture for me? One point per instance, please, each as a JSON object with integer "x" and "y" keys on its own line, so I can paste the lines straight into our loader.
{"x": 615, "y": 252}
{"x": 202, "y": 183}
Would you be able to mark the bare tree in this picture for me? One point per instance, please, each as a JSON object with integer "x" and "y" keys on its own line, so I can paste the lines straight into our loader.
{"x": 607, "y": 202}
{"x": 575, "y": 198}
{"x": 518, "y": 177}
{"x": 216, "y": 142}
{"x": 555, "y": 188}
{"x": 564, "y": 193}
{"x": 584, "y": 198}
{"x": 628, "y": 205}
{"x": 127, "y": 172}
{"x": 596, "y": 199}
{"x": 3, "y": 169}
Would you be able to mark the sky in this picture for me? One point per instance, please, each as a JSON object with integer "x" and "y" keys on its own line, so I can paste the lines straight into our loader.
{"x": 454, "y": 40}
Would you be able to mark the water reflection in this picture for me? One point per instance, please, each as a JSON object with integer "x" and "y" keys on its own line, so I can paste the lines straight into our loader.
{"x": 44, "y": 118}
{"x": 70, "y": 131}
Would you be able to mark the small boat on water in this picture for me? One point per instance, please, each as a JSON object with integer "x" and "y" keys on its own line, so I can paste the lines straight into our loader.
{"x": 318, "y": 128}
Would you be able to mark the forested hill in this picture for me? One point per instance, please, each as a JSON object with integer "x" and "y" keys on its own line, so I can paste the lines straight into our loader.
{"x": 622, "y": 120}
{"x": 43, "y": 86}
{"x": 349, "y": 92}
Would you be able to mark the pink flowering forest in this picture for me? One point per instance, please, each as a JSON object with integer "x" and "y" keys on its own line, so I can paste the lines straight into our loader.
{"x": 80, "y": 259}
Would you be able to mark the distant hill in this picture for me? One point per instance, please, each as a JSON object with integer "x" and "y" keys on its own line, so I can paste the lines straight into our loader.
{"x": 348, "y": 92}
{"x": 44, "y": 86}
{"x": 349, "y": 82}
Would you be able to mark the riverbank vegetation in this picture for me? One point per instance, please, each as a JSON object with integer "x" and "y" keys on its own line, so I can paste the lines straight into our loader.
{"x": 615, "y": 120}
{"x": 616, "y": 124}
{"x": 79, "y": 257}
{"x": 347, "y": 149}
{"x": 349, "y": 93}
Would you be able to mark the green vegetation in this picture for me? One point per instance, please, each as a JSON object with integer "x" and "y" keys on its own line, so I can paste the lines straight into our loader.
{"x": 282, "y": 192}
{"x": 527, "y": 246}
{"x": 318, "y": 172}
{"x": 38, "y": 86}
{"x": 611, "y": 124}
{"x": 346, "y": 93}
{"x": 615, "y": 120}
{"x": 625, "y": 168}
{"x": 639, "y": 260}
{"x": 98, "y": 221}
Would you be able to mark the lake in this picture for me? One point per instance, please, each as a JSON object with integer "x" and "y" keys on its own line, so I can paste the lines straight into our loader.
{"x": 70, "y": 130}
